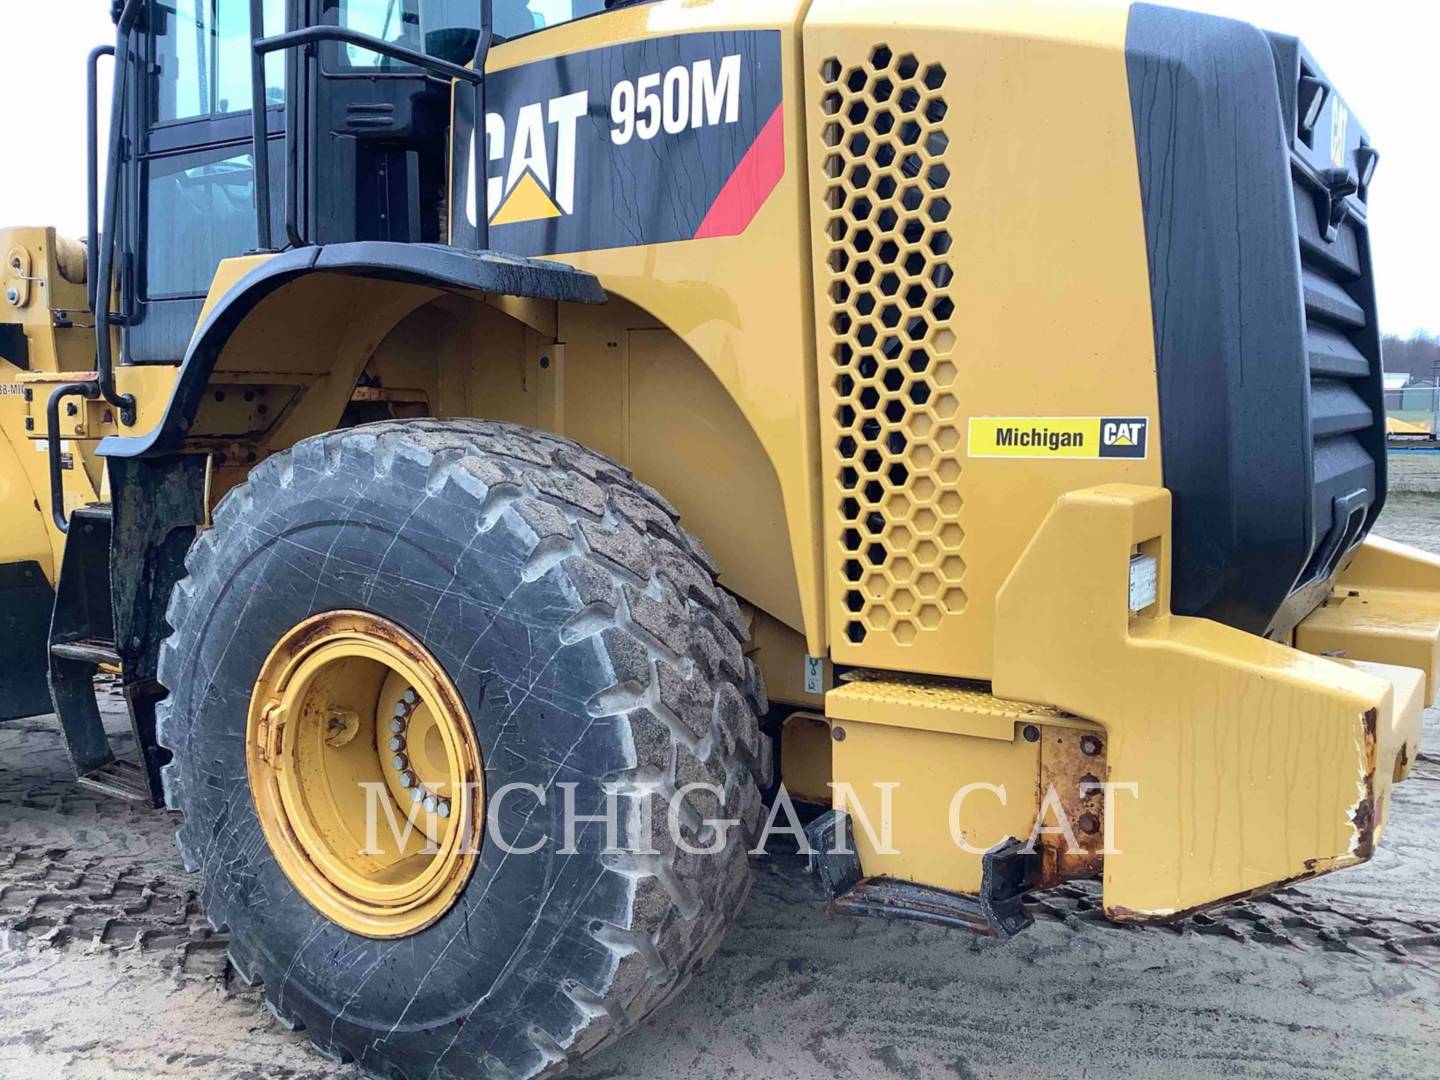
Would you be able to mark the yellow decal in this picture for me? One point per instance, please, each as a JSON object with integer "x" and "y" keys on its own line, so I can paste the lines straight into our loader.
{"x": 1058, "y": 436}
{"x": 527, "y": 201}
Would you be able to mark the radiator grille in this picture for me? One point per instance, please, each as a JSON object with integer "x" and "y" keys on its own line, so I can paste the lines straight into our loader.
{"x": 890, "y": 350}
{"x": 1346, "y": 413}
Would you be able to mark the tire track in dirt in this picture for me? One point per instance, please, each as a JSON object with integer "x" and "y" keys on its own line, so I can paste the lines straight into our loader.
{"x": 109, "y": 968}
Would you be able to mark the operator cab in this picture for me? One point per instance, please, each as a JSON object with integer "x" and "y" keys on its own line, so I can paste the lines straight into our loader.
{"x": 368, "y": 159}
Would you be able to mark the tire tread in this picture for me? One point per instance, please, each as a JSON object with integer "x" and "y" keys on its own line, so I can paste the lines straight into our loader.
{"x": 648, "y": 592}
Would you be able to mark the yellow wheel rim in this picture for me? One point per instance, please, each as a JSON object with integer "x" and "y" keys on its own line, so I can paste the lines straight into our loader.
{"x": 366, "y": 774}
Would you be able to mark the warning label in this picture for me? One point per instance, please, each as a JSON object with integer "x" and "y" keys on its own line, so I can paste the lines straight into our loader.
{"x": 1059, "y": 436}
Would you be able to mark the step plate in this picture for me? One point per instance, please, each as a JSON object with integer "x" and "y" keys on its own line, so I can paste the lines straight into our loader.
{"x": 119, "y": 780}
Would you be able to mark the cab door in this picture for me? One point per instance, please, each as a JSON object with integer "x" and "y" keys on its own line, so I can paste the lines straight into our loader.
{"x": 372, "y": 141}
{"x": 190, "y": 178}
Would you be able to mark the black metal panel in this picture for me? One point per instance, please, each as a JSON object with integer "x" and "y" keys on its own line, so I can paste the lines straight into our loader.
{"x": 1271, "y": 395}
{"x": 997, "y": 910}
{"x": 25, "y": 602}
{"x": 1346, "y": 399}
{"x": 655, "y": 190}
{"x": 14, "y": 345}
{"x": 209, "y": 131}
{"x": 82, "y": 617}
{"x": 366, "y": 151}
{"x": 419, "y": 264}
{"x": 1229, "y": 319}
{"x": 1331, "y": 203}
{"x": 82, "y": 637}
{"x": 159, "y": 503}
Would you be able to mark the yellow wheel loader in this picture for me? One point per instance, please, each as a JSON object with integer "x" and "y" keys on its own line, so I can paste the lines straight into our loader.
{"x": 1012, "y": 367}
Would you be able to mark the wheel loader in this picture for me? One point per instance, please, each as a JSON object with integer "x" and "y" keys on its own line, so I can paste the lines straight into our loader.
{"x": 573, "y": 433}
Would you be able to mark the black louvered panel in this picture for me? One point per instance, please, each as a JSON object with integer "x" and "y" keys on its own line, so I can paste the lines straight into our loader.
{"x": 1338, "y": 258}
{"x": 1333, "y": 354}
{"x": 1342, "y": 467}
{"x": 1327, "y": 301}
{"x": 1336, "y": 409}
{"x": 1346, "y": 424}
{"x": 370, "y": 115}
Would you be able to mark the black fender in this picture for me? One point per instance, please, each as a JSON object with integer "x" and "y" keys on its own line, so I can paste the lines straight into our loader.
{"x": 433, "y": 265}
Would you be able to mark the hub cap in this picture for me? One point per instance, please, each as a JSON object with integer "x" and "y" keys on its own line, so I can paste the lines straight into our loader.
{"x": 366, "y": 773}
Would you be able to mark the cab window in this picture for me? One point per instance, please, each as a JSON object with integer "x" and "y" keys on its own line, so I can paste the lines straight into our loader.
{"x": 196, "y": 180}
{"x": 516, "y": 17}
{"x": 448, "y": 28}
{"x": 200, "y": 210}
{"x": 200, "y": 56}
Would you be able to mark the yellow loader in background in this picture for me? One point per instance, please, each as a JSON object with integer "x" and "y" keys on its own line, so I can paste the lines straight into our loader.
{"x": 1012, "y": 367}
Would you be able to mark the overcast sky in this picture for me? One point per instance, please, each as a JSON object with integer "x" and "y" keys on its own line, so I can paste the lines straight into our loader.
{"x": 1380, "y": 53}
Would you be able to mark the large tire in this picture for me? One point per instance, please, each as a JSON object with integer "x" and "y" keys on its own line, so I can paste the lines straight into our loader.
{"x": 587, "y": 635}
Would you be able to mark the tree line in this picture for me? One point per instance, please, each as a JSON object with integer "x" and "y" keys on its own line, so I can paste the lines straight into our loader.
{"x": 1417, "y": 356}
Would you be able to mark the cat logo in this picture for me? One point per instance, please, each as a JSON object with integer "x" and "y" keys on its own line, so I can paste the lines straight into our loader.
{"x": 536, "y": 157}
{"x": 1123, "y": 437}
{"x": 1122, "y": 432}
{"x": 548, "y": 141}
{"x": 531, "y": 157}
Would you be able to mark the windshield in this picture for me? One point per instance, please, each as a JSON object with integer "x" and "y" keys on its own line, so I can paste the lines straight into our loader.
{"x": 516, "y": 17}
{"x": 447, "y": 29}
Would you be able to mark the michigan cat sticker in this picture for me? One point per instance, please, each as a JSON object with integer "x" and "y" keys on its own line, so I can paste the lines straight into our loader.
{"x": 1087, "y": 437}
{"x": 649, "y": 142}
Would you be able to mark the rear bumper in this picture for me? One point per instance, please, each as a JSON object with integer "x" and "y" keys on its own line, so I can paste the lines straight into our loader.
{"x": 1232, "y": 764}
{"x": 1253, "y": 764}
{"x": 1385, "y": 608}
{"x": 1397, "y": 742}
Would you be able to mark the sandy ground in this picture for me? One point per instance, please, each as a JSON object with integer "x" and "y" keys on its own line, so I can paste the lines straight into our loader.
{"x": 107, "y": 968}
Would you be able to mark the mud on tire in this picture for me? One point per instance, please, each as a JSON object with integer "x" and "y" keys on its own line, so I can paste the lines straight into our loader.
{"x": 586, "y": 632}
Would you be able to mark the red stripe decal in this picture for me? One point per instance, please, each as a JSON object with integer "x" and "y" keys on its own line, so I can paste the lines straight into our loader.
{"x": 750, "y": 184}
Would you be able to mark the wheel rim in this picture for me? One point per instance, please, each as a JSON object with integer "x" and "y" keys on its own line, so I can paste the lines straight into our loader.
{"x": 350, "y": 718}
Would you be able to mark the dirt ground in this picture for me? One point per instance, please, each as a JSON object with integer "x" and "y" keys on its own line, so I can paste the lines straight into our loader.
{"x": 108, "y": 969}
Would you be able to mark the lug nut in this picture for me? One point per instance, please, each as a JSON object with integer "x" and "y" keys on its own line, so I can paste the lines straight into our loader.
{"x": 431, "y": 804}
{"x": 397, "y": 726}
{"x": 400, "y": 762}
{"x": 409, "y": 697}
{"x": 397, "y": 743}
{"x": 400, "y": 710}
{"x": 417, "y": 795}
{"x": 443, "y": 809}
{"x": 407, "y": 780}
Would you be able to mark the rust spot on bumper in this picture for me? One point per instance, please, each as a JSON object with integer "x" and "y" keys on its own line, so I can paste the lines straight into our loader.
{"x": 1072, "y": 763}
{"x": 1365, "y": 816}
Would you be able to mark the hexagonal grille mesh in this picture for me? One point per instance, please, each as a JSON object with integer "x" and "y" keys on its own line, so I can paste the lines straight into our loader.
{"x": 891, "y": 369}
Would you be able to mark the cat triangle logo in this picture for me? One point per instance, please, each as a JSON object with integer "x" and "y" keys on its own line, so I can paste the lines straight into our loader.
{"x": 1123, "y": 436}
{"x": 527, "y": 201}
{"x": 533, "y": 160}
